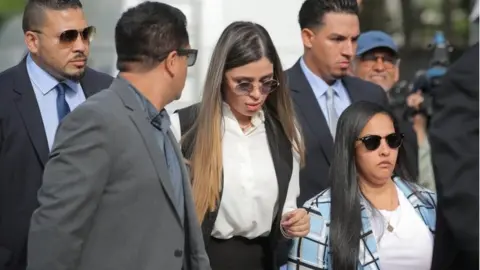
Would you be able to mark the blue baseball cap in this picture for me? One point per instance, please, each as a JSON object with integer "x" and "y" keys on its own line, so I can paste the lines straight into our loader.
{"x": 375, "y": 39}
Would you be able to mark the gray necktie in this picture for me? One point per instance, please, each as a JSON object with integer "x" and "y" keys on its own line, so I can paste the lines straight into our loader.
{"x": 332, "y": 113}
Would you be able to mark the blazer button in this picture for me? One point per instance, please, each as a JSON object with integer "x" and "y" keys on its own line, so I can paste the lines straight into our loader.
{"x": 178, "y": 253}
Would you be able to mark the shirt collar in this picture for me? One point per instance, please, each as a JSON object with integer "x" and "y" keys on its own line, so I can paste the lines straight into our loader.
{"x": 318, "y": 85}
{"x": 160, "y": 119}
{"x": 43, "y": 80}
{"x": 257, "y": 119}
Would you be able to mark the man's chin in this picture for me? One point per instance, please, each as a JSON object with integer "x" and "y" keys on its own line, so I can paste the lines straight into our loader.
{"x": 74, "y": 76}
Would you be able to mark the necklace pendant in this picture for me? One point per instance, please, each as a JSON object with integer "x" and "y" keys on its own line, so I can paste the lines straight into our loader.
{"x": 390, "y": 228}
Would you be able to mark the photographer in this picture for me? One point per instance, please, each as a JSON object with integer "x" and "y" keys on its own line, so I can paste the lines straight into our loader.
{"x": 378, "y": 61}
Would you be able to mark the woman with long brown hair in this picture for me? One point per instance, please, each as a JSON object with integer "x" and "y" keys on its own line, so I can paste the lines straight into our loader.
{"x": 244, "y": 151}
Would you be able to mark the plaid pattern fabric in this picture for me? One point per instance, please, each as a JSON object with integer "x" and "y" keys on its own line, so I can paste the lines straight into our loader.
{"x": 312, "y": 251}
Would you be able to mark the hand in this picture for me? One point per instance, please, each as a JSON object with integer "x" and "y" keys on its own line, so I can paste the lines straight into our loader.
{"x": 296, "y": 223}
{"x": 415, "y": 100}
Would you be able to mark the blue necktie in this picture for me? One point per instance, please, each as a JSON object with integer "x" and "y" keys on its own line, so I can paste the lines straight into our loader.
{"x": 62, "y": 106}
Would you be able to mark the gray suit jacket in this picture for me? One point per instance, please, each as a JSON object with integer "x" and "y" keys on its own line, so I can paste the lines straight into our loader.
{"x": 106, "y": 198}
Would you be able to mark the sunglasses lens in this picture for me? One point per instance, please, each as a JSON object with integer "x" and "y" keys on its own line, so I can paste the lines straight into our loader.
{"x": 394, "y": 140}
{"x": 192, "y": 58}
{"x": 88, "y": 33}
{"x": 269, "y": 86}
{"x": 68, "y": 36}
{"x": 371, "y": 142}
{"x": 244, "y": 88}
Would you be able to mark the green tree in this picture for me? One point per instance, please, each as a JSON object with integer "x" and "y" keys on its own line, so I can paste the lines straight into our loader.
{"x": 9, "y": 8}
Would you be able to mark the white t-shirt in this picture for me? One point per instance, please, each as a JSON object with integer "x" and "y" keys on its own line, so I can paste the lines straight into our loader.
{"x": 409, "y": 245}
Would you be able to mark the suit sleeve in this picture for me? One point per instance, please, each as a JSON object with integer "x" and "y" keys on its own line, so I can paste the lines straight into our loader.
{"x": 73, "y": 181}
{"x": 454, "y": 146}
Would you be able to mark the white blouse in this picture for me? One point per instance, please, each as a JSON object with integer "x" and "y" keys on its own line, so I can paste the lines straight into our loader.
{"x": 409, "y": 245}
{"x": 250, "y": 190}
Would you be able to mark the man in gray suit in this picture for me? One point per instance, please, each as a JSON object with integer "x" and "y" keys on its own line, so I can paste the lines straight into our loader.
{"x": 115, "y": 192}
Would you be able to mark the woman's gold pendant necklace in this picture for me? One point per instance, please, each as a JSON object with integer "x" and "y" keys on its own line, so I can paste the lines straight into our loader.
{"x": 389, "y": 227}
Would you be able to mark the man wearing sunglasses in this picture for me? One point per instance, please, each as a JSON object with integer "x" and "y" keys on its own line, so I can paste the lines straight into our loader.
{"x": 116, "y": 193}
{"x": 34, "y": 96}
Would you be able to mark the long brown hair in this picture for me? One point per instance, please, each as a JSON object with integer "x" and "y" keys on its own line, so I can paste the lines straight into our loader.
{"x": 240, "y": 43}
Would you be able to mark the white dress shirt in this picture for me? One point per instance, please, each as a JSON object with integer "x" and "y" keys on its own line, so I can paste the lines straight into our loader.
{"x": 250, "y": 191}
{"x": 409, "y": 245}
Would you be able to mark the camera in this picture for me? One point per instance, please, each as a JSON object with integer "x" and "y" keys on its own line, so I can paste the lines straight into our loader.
{"x": 424, "y": 80}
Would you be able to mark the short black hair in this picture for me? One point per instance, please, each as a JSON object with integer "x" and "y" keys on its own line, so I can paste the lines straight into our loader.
{"x": 147, "y": 33}
{"x": 312, "y": 11}
{"x": 34, "y": 12}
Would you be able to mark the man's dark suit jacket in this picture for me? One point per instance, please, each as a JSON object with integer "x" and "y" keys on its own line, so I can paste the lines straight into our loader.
{"x": 23, "y": 154}
{"x": 319, "y": 141}
{"x": 454, "y": 144}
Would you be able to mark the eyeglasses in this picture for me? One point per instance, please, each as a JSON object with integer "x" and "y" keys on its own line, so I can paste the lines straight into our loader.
{"x": 372, "y": 142}
{"x": 266, "y": 87}
{"x": 191, "y": 55}
{"x": 388, "y": 61}
{"x": 71, "y": 35}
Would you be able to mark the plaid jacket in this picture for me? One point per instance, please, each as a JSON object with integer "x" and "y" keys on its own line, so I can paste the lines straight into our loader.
{"x": 313, "y": 252}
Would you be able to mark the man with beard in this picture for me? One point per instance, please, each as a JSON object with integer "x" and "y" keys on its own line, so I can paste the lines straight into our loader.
{"x": 34, "y": 96}
{"x": 321, "y": 87}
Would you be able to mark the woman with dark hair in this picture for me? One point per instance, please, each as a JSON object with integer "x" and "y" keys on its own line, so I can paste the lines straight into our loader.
{"x": 373, "y": 216}
{"x": 244, "y": 151}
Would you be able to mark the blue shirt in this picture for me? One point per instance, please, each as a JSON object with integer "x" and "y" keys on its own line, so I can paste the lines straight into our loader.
{"x": 160, "y": 122}
{"x": 319, "y": 87}
{"x": 44, "y": 88}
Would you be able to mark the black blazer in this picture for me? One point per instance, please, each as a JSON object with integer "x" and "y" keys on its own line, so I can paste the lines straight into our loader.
{"x": 281, "y": 150}
{"x": 454, "y": 143}
{"x": 319, "y": 141}
{"x": 23, "y": 154}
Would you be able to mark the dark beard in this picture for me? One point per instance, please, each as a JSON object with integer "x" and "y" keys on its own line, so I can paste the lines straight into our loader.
{"x": 73, "y": 77}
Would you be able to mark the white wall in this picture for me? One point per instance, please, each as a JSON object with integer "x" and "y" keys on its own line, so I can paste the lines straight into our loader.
{"x": 279, "y": 20}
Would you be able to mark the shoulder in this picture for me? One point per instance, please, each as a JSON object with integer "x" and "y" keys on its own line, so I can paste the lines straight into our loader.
{"x": 318, "y": 207}
{"x": 362, "y": 85}
{"x": 189, "y": 110}
{"x": 413, "y": 191}
{"x": 187, "y": 116}
{"x": 464, "y": 71}
{"x": 7, "y": 76}
{"x": 102, "y": 79}
{"x": 105, "y": 104}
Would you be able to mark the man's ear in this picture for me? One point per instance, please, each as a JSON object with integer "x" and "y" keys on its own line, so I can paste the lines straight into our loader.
{"x": 171, "y": 63}
{"x": 32, "y": 42}
{"x": 307, "y": 37}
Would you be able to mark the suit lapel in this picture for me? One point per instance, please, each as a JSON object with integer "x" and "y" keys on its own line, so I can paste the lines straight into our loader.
{"x": 89, "y": 84}
{"x": 139, "y": 119}
{"x": 307, "y": 104}
{"x": 30, "y": 112}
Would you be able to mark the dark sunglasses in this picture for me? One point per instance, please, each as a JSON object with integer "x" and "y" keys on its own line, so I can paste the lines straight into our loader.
{"x": 372, "y": 142}
{"x": 266, "y": 87}
{"x": 71, "y": 35}
{"x": 191, "y": 55}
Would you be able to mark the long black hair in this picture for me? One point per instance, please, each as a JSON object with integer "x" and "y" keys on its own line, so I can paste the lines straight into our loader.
{"x": 346, "y": 223}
